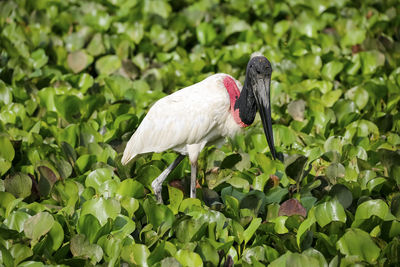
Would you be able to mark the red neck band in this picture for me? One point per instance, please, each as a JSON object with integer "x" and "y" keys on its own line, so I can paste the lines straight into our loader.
{"x": 234, "y": 94}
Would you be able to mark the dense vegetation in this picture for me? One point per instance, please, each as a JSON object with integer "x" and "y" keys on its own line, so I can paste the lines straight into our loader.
{"x": 77, "y": 77}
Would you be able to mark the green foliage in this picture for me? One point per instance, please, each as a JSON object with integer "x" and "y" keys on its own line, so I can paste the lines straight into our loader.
{"x": 77, "y": 77}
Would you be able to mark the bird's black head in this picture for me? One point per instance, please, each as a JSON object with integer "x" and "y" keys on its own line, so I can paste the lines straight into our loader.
{"x": 259, "y": 67}
{"x": 258, "y": 76}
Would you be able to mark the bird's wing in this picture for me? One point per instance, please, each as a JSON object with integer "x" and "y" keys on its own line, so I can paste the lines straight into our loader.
{"x": 188, "y": 116}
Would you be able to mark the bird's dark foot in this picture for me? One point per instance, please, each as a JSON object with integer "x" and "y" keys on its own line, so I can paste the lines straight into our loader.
{"x": 157, "y": 187}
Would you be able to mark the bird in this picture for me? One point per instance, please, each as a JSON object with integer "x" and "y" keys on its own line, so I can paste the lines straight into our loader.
{"x": 204, "y": 113}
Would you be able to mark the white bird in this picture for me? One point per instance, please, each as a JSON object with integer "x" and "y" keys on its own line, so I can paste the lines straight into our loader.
{"x": 204, "y": 114}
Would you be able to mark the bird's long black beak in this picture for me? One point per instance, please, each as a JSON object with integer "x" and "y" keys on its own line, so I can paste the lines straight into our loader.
{"x": 262, "y": 95}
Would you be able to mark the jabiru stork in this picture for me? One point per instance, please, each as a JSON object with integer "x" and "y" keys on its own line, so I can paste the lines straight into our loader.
{"x": 204, "y": 114}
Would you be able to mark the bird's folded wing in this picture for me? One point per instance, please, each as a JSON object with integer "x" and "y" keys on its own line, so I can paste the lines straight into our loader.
{"x": 185, "y": 117}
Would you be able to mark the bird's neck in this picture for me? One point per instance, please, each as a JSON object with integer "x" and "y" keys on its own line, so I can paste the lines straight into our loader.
{"x": 246, "y": 104}
{"x": 243, "y": 104}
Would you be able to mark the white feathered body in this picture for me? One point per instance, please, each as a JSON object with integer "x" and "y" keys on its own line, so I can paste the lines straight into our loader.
{"x": 186, "y": 121}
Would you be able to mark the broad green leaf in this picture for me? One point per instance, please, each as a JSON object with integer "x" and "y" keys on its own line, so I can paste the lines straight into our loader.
{"x": 254, "y": 254}
{"x": 16, "y": 220}
{"x": 331, "y": 211}
{"x": 80, "y": 247}
{"x": 251, "y": 229}
{"x": 7, "y": 152}
{"x": 5, "y": 93}
{"x": 359, "y": 95}
{"x": 330, "y": 98}
{"x": 79, "y": 60}
{"x": 98, "y": 177}
{"x": 175, "y": 198}
{"x": 136, "y": 254}
{"x": 188, "y": 258}
{"x": 108, "y": 64}
{"x": 279, "y": 226}
{"x": 296, "y": 109}
{"x": 20, "y": 252}
{"x": 158, "y": 215}
{"x": 38, "y": 59}
{"x": 123, "y": 226}
{"x": 335, "y": 170}
{"x": 356, "y": 242}
{"x": 190, "y": 229}
{"x": 206, "y": 33}
{"x": 368, "y": 208}
{"x": 207, "y": 253}
{"x": 38, "y": 225}
{"x": 305, "y": 226}
{"x": 68, "y": 106}
{"x": 310, "y": 64}
{"x": 88, "y": 225}
{"x": 66, "y": 192}
{"x": 131, "y": 205}
{"x": 331, "y": 69}
{"x": 188, "y": 203}
{"x": 296, "y": 259}
{"x": 130, "y": 188}
{"x": 19, "y": 184}
{"x": 31, "y": 264}
{"x": 371, "y": 60}
{"x": 342, "y": 194}
{"x": 101, "y": 208}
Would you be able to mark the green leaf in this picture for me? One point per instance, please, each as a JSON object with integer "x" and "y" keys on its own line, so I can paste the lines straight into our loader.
{"x": 331, "y": 69}
{"x": 251, "y": 229}
{"x": 136, "y": 254}
{"x": 101, "y": 208}
{"x": 123, "y": 226}
{"x": 356, "y": 242}
{"x": 66, "y": 192}
{"x": 131, "y": 205}
{"x": 305, "y": 226}
{"x": 19, "y": 184}
{"x": 331, "y": 211}
{"x": 342, "y": 194}
{"x": 130, "y": 188}
{"x": 16, "y": 220}
{"x": 68, "y": 106}
{"x": 79, "y": 60}
{"x": 331, "y": 97}
{"x": 175, "y": 198}
{"x": 368, "y": 208}
{"x": 98, "y": 177}
{"x": 107, "y": 65}
{"x": 38, "y": 225}
{"x": 20, "y": 252}
{"x": 188, "y": 258}
{"x": 80, "y": 247}
{"x": 359, "y": 95}
{"x": 371, "y": 60}
{"x": 206, "y": 33}
{"x": 89, "y": 226}
{"x": 48, "y": 176}
{"x": 208, "y": 253}
{"x": 310, "y": 64}
{"x": 5, "y": 93}
{"x": 7, "y": 152}
{"x": 38, "y": 59}
{"x": 158, "y": 215}
{"x": 335, "y": 170}
{"x": 296, "y": 109}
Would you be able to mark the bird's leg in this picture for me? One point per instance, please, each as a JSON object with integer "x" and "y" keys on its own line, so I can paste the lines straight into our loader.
{"x": 193, "y": 178}
{"x": 157, "y": 183}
